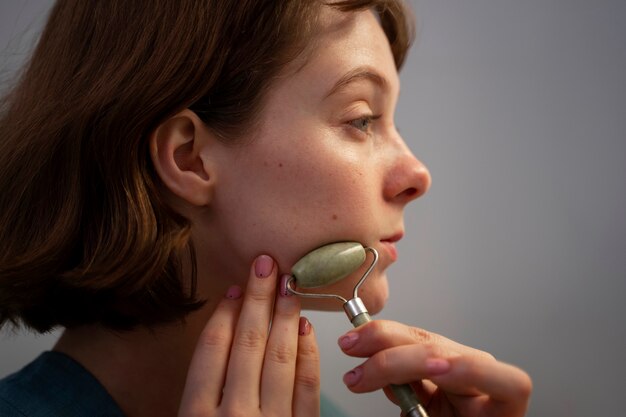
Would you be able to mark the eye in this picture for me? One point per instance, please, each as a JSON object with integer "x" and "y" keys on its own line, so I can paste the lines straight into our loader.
{"x": 364, "y": 123}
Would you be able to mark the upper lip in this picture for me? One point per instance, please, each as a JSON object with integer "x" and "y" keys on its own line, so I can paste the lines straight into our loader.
{"x": 393, "y": 238}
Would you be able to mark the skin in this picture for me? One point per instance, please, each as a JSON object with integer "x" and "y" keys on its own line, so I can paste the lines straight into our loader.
{"x": 315, "y": 170}
{"x": 323, "y": 164}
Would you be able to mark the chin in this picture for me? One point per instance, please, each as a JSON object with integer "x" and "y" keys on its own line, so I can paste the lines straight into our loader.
{"x": 376, "y": 294}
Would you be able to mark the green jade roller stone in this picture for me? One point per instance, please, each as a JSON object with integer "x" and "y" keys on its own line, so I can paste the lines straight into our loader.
{"x": 328, "y": 264}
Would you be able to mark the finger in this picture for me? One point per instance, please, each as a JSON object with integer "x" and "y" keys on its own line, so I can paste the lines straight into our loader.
{"x": 506, "y": 387}
{"x": 279, "y": 367}
{"x": 207, "y": 370}
{"x": 243, "y": 376}
{"x": 504, "y": 384}
{"x": 306, "y": 393}
{"x": 397, "y": 365}
{"x": 377, "y": 335}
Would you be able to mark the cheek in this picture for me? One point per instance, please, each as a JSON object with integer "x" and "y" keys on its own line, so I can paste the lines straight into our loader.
{"x": 288, "y": 204}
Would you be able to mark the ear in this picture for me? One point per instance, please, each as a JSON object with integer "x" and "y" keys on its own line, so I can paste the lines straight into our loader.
{"x": 178, "y": 148}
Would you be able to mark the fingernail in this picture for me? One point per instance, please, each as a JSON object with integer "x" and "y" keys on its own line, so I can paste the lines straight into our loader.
{"x": 234, "y": 292}
{"x": 353, "y": 377}
{"x": 283, "y": 286}
{"x": 304, "y": 326}
{"x": 348, "y": 340}
{"x": 263, "y": 266}
{"x": 437, "y": 366}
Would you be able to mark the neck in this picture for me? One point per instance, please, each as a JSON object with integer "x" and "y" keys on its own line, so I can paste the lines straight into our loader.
{"x": 144, "y": 370}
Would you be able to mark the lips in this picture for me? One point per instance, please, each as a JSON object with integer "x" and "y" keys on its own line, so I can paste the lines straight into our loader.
{"x": 389, "y": 246}
{"x": 394, "y": 238}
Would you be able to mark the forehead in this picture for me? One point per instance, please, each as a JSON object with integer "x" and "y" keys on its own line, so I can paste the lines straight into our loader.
{"x": 346, "y": 43}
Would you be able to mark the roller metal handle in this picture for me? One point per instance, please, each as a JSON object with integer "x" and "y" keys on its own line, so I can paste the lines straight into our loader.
{"x": 358, "y": 315}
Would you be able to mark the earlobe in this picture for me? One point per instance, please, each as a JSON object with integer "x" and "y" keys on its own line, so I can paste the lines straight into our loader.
{"x": 176, "y": 146}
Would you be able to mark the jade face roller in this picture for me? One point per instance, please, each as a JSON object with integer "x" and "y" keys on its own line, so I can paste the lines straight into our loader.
{"x": 331, "y": 263}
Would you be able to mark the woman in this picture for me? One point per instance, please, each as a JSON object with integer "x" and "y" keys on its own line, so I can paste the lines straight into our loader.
{"x": 165, "y": 164}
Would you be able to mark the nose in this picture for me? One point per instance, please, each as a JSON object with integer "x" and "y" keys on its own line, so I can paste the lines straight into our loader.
{"x": 407, "y": 178}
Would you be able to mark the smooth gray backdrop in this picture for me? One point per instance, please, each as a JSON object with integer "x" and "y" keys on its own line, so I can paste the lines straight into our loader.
{"x": 519, "y": 110}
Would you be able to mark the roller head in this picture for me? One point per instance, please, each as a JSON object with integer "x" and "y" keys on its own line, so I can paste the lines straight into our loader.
{"x": 328, "y": 264}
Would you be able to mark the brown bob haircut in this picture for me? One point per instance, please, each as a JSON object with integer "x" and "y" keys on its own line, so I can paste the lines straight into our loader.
{"x": 85, "y": 233}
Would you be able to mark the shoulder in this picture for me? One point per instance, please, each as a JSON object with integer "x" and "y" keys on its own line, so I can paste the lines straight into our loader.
{"x": 54, "y": 385}
{"x": 10, "y": 409}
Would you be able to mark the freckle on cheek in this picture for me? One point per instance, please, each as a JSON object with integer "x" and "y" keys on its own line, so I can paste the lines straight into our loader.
{"x": 334, "y": 217}
{"x": 280, "y": 164}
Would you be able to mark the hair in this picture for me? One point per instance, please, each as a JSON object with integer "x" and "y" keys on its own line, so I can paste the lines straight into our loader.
{"x": 85, "y": 233}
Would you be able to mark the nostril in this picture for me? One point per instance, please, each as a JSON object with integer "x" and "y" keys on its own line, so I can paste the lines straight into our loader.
{"x": 411, "y": 192}
{"x": 408, "y": 194}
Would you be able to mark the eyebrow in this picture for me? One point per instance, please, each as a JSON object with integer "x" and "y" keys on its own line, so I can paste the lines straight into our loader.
{"x": 358, "y": 74}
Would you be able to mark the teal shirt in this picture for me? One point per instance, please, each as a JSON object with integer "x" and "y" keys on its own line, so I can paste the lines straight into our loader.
{"x": 55, "y": 385}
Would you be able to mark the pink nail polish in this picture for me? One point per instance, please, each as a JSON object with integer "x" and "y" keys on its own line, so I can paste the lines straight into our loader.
{"x": 283, "y": 286}
{"x": 352, "y": 377}
{"x": 304, "y": 327}
{"x": 348, "y": 340}
{"x": 234, "y": 292}
{"x": 263, "y": 266}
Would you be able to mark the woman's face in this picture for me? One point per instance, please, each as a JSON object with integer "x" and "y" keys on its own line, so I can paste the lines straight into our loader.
{"x": 325, "y": 164}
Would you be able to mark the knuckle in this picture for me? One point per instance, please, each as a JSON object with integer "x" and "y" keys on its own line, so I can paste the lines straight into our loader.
{"x": 308, "y": 381}
{"x": 215, "y": 338}
{"x": 308, "y": 351}
{"x": 436, "y": 348}
{"x": 378, "y": 326}
{"x": 420, "y": 335}
{"x": 250, "y": 339}
{"x": 280, "y": 354}
{"x": 431, "y": 349}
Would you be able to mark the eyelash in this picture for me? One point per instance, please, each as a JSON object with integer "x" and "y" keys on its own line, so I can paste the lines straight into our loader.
{"x": 367, "y": 120}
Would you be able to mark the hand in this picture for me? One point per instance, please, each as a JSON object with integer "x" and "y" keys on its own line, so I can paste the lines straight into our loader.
{"x": 449, "y": 379}
{"x": 242, "y": 367}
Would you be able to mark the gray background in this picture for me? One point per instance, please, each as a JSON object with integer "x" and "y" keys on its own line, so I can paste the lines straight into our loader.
{"x": 519, "y": 110}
